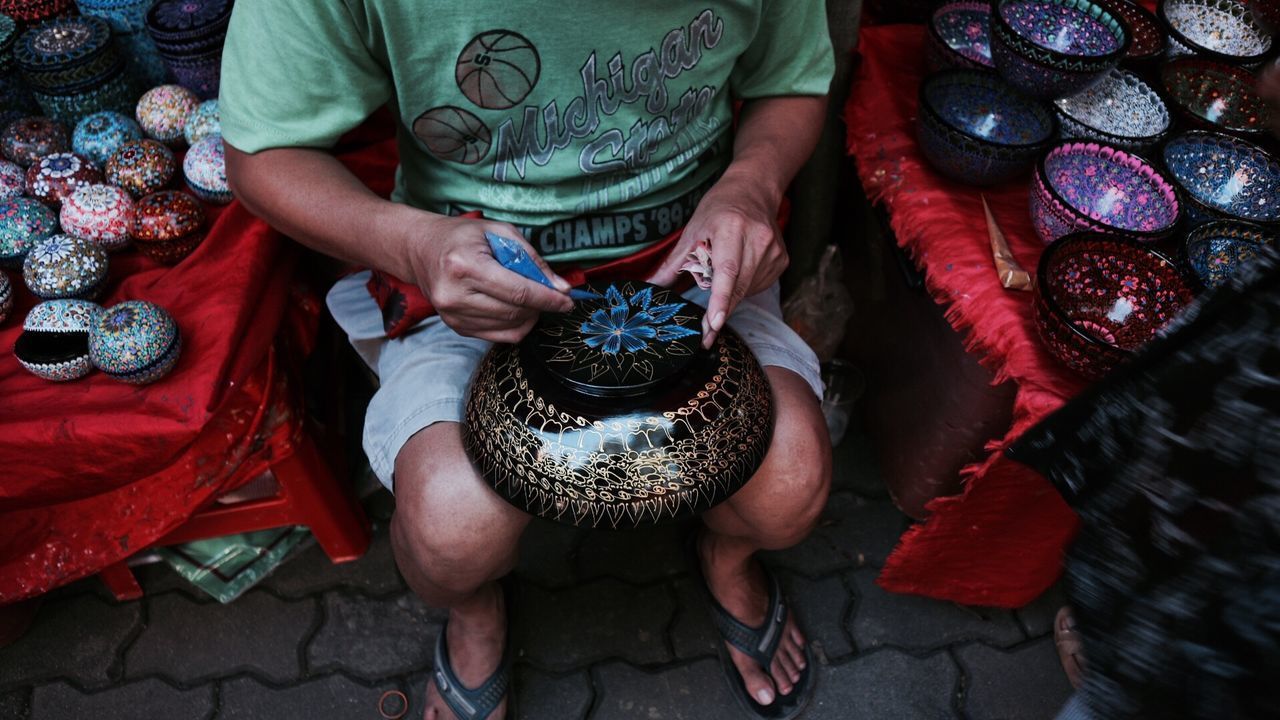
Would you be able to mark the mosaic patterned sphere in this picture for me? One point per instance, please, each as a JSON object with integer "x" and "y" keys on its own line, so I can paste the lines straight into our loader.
{"x": 6, "y": 297}
{"x": 1121, "y": 110}
{"x": 101, "y": 134}
{"x": 1222, "y": 30}
{"x": 54, "y": 344}
{"x": 141, "y": 167}
{"x": 53, "y": 178}
{"x": 975, "y": 128}
{"x": 205, "y": 168}
{"x": 13, "y": 180}
{"x": 163, "y": 112}
{"x": 205, "y": 121}
{"x": 1217, "y": 249}
{"x": 23, "y": 223}
{"x": 1094, "y": 186}
{"x": 101, "y": 214}
{"x": 1054, "y": 48}
{"x": 30, "y": 139}
{"x": 959, "y": 36}
{"x": 167, "y": 226}
{"x": 134, "y": 341}
{"x": 65, "y": 267}
{"x": 1100, "y": 298}
{"x": 1223, "y": 177}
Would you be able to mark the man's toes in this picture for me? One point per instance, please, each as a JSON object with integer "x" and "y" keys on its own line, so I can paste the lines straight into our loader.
{"x": 757, "y": 682}
{"x": 796, "y": 636}
{"x": 796, "y": 652}
{"x": 784, "y": 673}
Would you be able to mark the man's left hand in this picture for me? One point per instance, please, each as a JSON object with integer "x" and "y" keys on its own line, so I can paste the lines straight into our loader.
{"x": 747, "y": 252}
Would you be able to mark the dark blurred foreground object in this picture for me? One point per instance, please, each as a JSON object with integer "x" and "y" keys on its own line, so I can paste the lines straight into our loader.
{"x": 1173, "y": 464}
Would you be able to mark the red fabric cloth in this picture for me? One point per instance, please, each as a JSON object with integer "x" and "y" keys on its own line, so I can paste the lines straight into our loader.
{"x": 95, "y": 469}
{"x": 1000, "y": 542}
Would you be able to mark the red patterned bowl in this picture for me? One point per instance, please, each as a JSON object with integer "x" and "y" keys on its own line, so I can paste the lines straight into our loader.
{"x": 1148, "y": 38}
{"x": 1095, "y": 186}
{"x": 1099, "y": 298}
{"x": 167, "y": 226}
{"x": 1216, "y": 96}
{"x": 53, "y": 178}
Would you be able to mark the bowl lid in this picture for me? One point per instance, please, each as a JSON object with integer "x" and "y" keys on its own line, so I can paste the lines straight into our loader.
{"x": 131, "y": 335}
{"x": 106, "y": 124}
{"x": 624, "y": 342}
{"x": 24, "y": 222}
{"x": 167, "y": 215}
{"x": 62, "y": 316}
{"x": 62, "y": 43}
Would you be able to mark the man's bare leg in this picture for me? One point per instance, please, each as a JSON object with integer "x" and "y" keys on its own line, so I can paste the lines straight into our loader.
{"x": 453, "y": 537}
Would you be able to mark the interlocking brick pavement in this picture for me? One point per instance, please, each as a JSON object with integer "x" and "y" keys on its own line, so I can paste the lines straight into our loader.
{"x": 606, "y": 625}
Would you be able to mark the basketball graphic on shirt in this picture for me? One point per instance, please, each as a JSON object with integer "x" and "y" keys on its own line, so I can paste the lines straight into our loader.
{"x": 498, "y": 69}
{"x": 452, "y": 133}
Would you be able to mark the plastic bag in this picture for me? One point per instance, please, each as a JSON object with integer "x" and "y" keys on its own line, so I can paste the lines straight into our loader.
{"x": 225, "y": 567}
{"x": 821, "y": 307}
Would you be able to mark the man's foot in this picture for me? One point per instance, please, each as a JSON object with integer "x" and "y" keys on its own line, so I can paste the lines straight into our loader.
{"x": 476, "y": 636}
{"x": 738, "y": 583}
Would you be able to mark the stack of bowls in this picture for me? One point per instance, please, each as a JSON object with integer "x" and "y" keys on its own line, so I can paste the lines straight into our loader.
{"x": 15, "y": 98}
{"x": 74, "y": 68}
{"x": 1222, "y": 30}
{"x": 33, "y": 12}
{"x": 189, "y": 35}
{"x": 128, "y": 20}
{"x": 977, "y": 129}
{"x": 1055, "y": 48}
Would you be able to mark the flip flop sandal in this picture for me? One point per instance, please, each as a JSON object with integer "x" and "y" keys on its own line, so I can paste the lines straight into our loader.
{"x": 473, "y": 703}
{"x": 1070, "y": 647}
{"x": 761, "y": 645}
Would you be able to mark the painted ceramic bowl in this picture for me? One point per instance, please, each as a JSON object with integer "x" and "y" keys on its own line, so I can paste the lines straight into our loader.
{"x": 101, "y": 214}
{"x": 1094, "y": 186}
{"x": 205, "y": 168}
{"x": 27, "y": 140}
{"x": 1222, "y": 177}
{"x": 141, "y": 167}
{"x": 65, "y": 267}
{"x": 101, "y": 134}
{"x": 1099, "y": 298}
{"x": 55, "y": 177}
{"x": 1147, "y": 45}
{"x": 168, "y": 225}
{"x": 1222, "y": 30}
{"x": 6, "y": 297}
{"x": 1121, "y": 110}
{"x": 1053, "y": 48}
{"x": 1267, "y": 13}
{"x": 1216, "y": 96}
{"x": 13, "y": 180}
{"x": 163, "y": 112}
{"x": 958, "y": 37}
{"x": 612, "y": 415}
{"x": 1216, "y": 249}
{"x": 205, "y": 121}
{"x": 977, "y": 129}
{"x": 134, "y": 341}
{"x": 54, "y": 343}
{"x": 23, "y": 223}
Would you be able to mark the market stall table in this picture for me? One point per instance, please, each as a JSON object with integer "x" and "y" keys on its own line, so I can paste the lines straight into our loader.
{"x": 1000, "y": 541}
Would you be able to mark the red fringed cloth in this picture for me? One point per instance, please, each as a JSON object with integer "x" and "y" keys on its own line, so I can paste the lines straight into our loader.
{"x": 94, "y": 470}
{"x": 1000, "y": 542}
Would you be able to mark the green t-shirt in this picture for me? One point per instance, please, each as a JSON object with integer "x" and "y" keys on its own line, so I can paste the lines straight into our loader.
{"x": 593, "y": 126}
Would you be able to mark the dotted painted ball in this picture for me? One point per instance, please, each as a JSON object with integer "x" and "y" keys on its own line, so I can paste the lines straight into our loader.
{"x": 29, "y": 139}
{"x": 53, "y": 178}
{"x": 205, "y": 168}
{"x": 13, "y": 180}
{"x": 134, "y": 341}
{"x": 23, "y": 223}
{"x": 99, "y": 135}
{"x": 101, "y": 214}
{"x": 205, "y": 121}
{"x": 141, "y": 167}
{"x": 163, "y": 111}
{"x": 65, "y": 267}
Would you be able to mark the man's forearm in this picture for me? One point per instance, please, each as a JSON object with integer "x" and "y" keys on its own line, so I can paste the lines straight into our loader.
{"x": 775, "y": 137}
{"x": 312, "y": 197}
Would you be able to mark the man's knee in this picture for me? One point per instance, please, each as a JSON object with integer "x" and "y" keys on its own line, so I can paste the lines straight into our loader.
{"x": 799, "y": 488}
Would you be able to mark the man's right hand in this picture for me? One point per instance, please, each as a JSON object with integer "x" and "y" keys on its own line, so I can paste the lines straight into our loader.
{"x": 470, "y": 290}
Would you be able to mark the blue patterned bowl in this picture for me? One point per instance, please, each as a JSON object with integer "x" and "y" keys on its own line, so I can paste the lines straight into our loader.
{"x": 134, "y": 341}
{"x": 1222, "y": 30}
{"x": 1222, "y": 177}
{"x": 1053, "y": 48}
{"x": 1121, "y": 110}
{"x": 977, "y": 129}
{"x": 959, "y": 37}
{"x": 1216, "y": 249}
{"x": 1093, "y": 186}
{"x": 54, "y": 343}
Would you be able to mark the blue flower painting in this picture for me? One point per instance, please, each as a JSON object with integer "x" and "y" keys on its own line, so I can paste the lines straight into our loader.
{"x": 630, "y": 324}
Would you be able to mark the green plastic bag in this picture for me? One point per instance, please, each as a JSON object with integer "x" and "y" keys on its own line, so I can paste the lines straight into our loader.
{"x": 225, "y": 567}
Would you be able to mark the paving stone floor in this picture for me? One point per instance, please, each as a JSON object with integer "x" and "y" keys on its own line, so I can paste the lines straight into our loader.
{"x": 606, "y": 625}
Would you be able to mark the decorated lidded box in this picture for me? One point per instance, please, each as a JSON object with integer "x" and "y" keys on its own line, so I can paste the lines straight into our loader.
{"x": 205, "y": 169}
{"x": 168, "y": 225}
{"x": 163, "y": 111}
{"x": 53, "y": 178}
{"x": 54, "y": 343}
{"x": 29, "y": 139}
{"x": 100, "y": 135}
{"x": 23, "y": 223}
{"x": 101, "y": 214}
{"x": 135, "y": 341}
{"x": 65, "y": 267}
{"x": 141, "y": 167}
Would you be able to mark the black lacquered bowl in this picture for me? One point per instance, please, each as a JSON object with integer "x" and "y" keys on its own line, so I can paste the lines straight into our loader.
{"x": 613, "y": 415}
